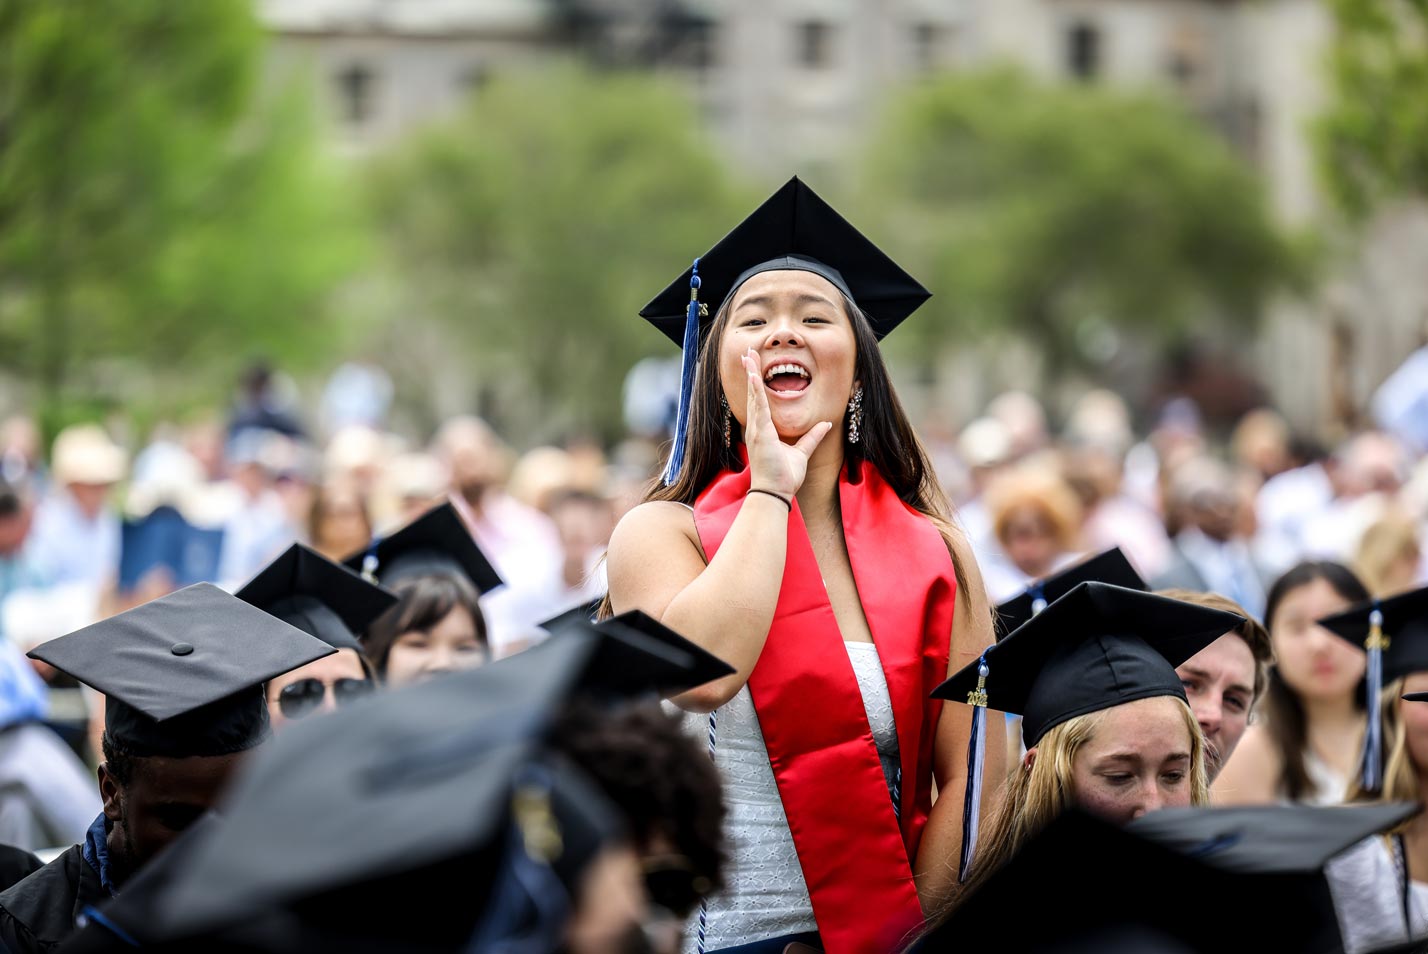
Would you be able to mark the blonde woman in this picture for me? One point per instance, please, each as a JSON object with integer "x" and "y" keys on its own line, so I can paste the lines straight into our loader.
{"x": 1104, "y": 715}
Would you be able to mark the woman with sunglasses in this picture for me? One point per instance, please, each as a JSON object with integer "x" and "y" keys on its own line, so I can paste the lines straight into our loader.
{"x": 329, "y": 601}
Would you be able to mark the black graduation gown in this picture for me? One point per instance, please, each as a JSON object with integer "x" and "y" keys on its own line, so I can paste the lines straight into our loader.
{"x": 39, "y": 912}
{"x": 16, "y": 864}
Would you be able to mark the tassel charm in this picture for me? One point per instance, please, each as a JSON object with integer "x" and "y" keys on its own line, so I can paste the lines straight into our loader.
{"x": 976, "y": 760}
{"x": 688, "y": 362}
{"x": 1038, "y": 600}
{"x": 1376, "y": 643}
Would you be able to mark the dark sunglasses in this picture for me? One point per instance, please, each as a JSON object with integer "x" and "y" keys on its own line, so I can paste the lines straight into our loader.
{"x": 297, "y": 699}
{"x": 674, "y": 885}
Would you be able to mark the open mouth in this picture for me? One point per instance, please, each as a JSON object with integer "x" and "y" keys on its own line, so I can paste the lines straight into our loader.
{"x": 787, "y": 377}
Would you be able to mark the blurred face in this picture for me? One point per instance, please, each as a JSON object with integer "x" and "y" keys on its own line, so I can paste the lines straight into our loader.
{"x": 452, "y": 644}
{"x": 1314, "y": 662}
{"x": 342, "y": 525}
{"x": 796, "y": 325}
{"x": 583, "y": 525}
{"x": 13, "y": 530}
{"x": 1415, "y": 722}
{"x": 90, "y": 498}
{"x": 162, "y": 799}
{"x": 1219, "y": 682}
{"x": 1136, "y": 761}
{"x": 320, "y": 686}
{"x": 1030, "y": 541}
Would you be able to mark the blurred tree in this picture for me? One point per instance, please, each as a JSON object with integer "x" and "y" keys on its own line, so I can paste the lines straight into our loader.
{"x": 155, "y": 209}
{"x": 1373, "y": 137}
{"x": 534, "y": 228}
{"x": 1069, "y": 214}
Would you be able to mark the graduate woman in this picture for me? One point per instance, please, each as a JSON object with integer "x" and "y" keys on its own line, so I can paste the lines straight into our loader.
{"x": 800, "y": 536}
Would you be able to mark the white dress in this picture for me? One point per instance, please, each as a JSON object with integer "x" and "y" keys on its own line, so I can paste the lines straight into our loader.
{"x": 1368, "y": 897}
{"x": 765, "y": 895}
{"x": 1330, "y": 788}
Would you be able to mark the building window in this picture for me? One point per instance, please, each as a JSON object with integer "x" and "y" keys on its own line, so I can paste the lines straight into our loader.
{"x": 356, "y": 84}
{"x": 1083, "y": 50}
{"x": 929, "y": 41}
{"x": 815, "y": 44}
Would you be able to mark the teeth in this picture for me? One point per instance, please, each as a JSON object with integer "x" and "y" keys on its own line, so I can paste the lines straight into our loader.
{"x": 785, "y": 369}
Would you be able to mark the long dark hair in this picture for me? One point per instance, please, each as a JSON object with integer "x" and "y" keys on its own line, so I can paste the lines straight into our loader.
{"x": 1284, "y": 713}
{"x": 887, "y": 439}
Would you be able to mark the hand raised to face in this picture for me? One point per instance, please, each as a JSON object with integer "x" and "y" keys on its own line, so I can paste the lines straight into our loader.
{"x": 774, "y": 465}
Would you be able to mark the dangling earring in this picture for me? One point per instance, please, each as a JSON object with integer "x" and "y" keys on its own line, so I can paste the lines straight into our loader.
{"x": 724, "y": 404}
{"x": 855, "y": 416}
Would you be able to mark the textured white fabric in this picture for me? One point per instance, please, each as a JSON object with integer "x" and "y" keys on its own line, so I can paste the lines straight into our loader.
{"x": 1329, "y": 786}
{"x": 765, "y": 895}
{"x": 1365, "y": 886}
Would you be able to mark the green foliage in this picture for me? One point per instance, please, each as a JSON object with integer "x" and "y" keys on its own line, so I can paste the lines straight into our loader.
{"x": 1373, "y": 138}
{"x": 535, "y": 227}
{"x": 1057, "y": 213}
{"x": 155, "y": 210}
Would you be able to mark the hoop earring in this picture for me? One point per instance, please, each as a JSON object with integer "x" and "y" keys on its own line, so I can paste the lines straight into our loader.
{"x": 855, "y": 416}
{"x": 724, "y": 404}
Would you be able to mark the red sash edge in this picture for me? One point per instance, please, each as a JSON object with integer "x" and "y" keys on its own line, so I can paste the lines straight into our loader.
{"x": 820, "y": 746}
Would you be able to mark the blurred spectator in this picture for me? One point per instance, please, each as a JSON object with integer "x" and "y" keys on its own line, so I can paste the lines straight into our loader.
{"x": 47, "y": 797}
{"x": 260, "y": 407}
{"x": 339, "y": 524}
{"x": 76, "y": 533}
{"x": 1389, "y": 555}
{"x": 1100, "y": 419}
{"x": 1260, "y": 443}
{"x": 539, "y": 475}
{"x": 257, "y": 526}
{"x": 651, "y": 397}
{"x": 411, "y": 483}
{"x": 358, "y": 454}
{"x": 985, "y": 447}
{"x": 1036, "y": 519}
{"x": 1024, "y": 420}
{"x": 358, "y": 394}
{"x": 1114, "y": 519}
{"x": 1369, "y": 471}
{"x": 584, "y": 523}
{"x": 1287, "y": 502}
{"x": 520, "y": 541}
{"x": 17, "y": 569}
{"x": 20, "y": 449}
{"x": 1209, "y": 554}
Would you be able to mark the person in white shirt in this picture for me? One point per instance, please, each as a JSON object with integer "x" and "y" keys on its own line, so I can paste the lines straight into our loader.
{"x": 76, "y": 534}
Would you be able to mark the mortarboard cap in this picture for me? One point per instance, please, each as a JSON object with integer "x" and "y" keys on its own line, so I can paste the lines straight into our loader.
{"x": 637, "y": 652}
{"x": 436, "y": 542}
{"x": 1108, "y": 567}
{"x": 794, "y": 230}
{"x": 444, "y": 757}
{"x": 324, "y": 599}
{"x": 182, "y": 675}
{"x": 1394, "y": 633}
{"x": 1125, "y": 894}
{"x": 1096, "y": 647}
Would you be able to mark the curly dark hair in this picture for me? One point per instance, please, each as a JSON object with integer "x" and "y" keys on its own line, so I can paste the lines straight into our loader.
{"x": 119, "y": 763}
{"x": 663, "y": 781}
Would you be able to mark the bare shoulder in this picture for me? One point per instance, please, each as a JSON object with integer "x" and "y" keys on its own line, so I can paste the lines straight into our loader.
{"x": 654, "y": 523}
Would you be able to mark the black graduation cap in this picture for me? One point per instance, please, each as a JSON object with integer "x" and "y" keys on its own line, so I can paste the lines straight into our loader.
{"x": 1096, "y": 647}
{"x": 436, "y": 542}
{"x": 793, "y": 230}
{"x": 1270, "y": 839}
{"x": 1096, "y": 888}
{"x": 1394, "y": 634}
{"x": 324, "y": 599}
{"x": 638, "y": 652}
{"x": 182, "y": 675}
{"x": 1108, "y": 567}
{"x": 404, "y": 805}
{"x": 1402, "y": 625}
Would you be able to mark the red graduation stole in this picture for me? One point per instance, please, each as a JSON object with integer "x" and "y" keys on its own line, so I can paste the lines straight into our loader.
{"x": 855, "y": 855}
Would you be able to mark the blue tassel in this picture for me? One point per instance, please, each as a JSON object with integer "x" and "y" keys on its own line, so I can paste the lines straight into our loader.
{"x": 976, "y": 761}
{"x": 1038, "y": 598}
{"x": 1373, "y": 736}
{"x": 686, "y": 377}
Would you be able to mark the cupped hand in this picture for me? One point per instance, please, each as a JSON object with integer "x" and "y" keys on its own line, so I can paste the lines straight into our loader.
{"x": 774, "y": 465}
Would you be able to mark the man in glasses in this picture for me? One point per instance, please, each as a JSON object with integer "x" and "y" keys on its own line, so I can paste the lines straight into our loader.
{"x": 182, "y": 678}
{"x": 329, "y": 601}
